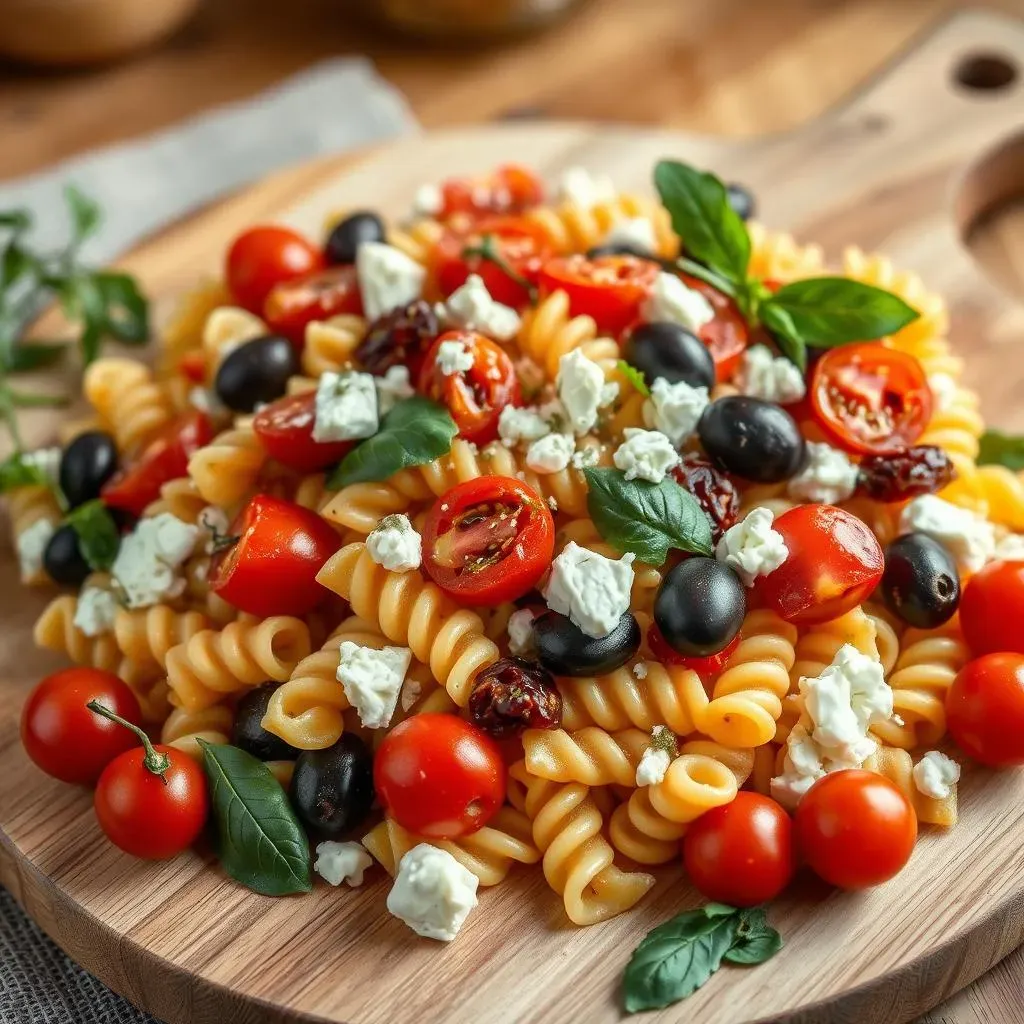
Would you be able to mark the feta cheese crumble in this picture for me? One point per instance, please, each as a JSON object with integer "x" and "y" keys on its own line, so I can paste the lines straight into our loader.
{"x": 147, "y": 563}
{"x": 216, "y": 523}
{"x": 672, "y": 302}
{"x": 395, "y": 544}
{"x": 342, "y": 862}
{"x": 206, "y": 400}
{"x": 472, "y": 306}
{"x": 752, "y": 547}
{"x": 372, "y": 680}
{"x": 944, "y": 389}
{"x": 591, "y": 589}
{"x": 827, "y": 478}
{"x": 935, "y": 775}
{"x": 635, "y": 232}
{"x": 771, "y": 378}
{"x": 640, "y": 670}
{"x": 581, "y": 188}
{"x": 31, "y": 545}
{"x": 1010, "y": 548}
{"x": 515, "y": 425}
{"x": 520, "y": 633}
{"x": 454, "y": 357}
{"x": 46, "y": 460}
{"x": 968, "y": 537}
{"x": 550, "y": 453}
{"x": 433, "y": 893}
{"x": 428, "y": 200}
{"x": 95, "y": 611}
{"x": 393, "y": 388}
{"x": 675, "y": 409}
{"x": 582, "y": 390}
{"x": 346, "y": 407}
{"x": 645, "y": 455}
{"x": 387, "y": 278}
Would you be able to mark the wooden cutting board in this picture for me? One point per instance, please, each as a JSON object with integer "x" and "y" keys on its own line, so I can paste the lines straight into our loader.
{"x": 906, "y": 166}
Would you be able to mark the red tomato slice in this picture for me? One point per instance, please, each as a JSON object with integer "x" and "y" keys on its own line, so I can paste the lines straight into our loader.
{"x": 271, "y": 569}
{"x": 475, "y": 397}
{"x": 192, "y": 366}
{"x": 727, "y": 336}
{"x": 263, "y": 257}
{"x": 291, "y": 306}
{"x": 285, "y": 429}
{"x": 868, "y": 398}
{"x": 488, "y": 540}
{"x": 610, "y": 289}
{"x": 510, "y": 189}
{"x": 707, "y": 668}
{"x": 164, "y": 459}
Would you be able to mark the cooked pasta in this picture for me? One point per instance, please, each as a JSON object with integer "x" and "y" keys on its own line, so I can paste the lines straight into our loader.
{"x": 228, "y": 468}
{"x": 331, "y": 344}
{"x": 225, "y": 329}
{"x": 129, "y": 401}
{"x": 183, "y": 332}
{"x": 55, "y": 630}
{"x": 29, "y": 507}
{"x": 591, "y": 756}
{"x": 145, "y": 635}
{"x": 550, "y": 331}
{"x": 184, "y": 729}
{"x": 571, "y": 227}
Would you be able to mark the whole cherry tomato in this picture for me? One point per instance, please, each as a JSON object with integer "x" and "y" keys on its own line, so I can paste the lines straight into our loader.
{"x": 707, "y": 668}
{"x": 992, "y": 609}
{"x": 475, "y": 396}
{"x": 741, "y": 853}
{"x": 727, "y": 336}
{"x": 285, "y": 430}
{"x": 166, "y": 458}
{"x": 509, "y": 189}
{"x": 265, "y": 256}
{"x": 439, "y": 776}
{"x": 67, "y": 740}
{"x": 611, "y": 289}
{"x": 488, "y": 540}
{"x": 855, "y": 829}
{"x": 292, "y": 305}
{"x": 271, "y": 569}
{"x": 985, "y": 709}
{"x": 834, "y": 563}
{"x": 868, "y": 398}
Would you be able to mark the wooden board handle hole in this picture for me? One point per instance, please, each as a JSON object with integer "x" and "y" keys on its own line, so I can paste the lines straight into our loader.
{"x": 986, "y": 72}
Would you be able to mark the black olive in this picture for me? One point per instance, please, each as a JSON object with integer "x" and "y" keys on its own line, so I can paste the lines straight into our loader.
{"x": 332, "y": 789}
{"x": 86, "y": 465}
{"x": 248, "y": 732}
{"x": 346, "y": 236}
{"x": 741, "y": 200}
{"x": 63, "y": 559}
{"x": 256, "y": 372}
{"x": 700, "y": 607}
{"x": 920, "y": 583}
{"x": 620, "y": 249}
{"x": 565, "y": 650}
{"x": 671, "y": 351}
{"x": 752, "y": 438}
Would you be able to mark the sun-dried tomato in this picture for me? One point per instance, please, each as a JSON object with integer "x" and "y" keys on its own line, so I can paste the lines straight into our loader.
{"x": 514, "y": 695}
{"x": 899, "y": 475}
{"x": 399, "y": 338}
{"x": 716, "y": 493}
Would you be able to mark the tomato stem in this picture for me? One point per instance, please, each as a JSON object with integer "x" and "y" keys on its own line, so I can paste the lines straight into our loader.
{"x": 153, "y": 760}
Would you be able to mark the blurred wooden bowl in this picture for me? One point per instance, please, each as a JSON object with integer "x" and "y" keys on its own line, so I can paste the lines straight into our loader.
{"x": 67, "y": 32}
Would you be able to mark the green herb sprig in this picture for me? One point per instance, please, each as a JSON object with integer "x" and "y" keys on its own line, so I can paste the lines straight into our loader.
{"x": 488, "y": 251}
{"x": 999, "y": 449}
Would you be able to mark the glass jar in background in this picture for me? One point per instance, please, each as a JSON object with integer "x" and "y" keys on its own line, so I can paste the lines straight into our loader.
{"x": 464, "y": 19}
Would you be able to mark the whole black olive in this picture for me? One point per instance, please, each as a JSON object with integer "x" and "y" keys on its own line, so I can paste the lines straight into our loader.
{"x": 700, "y": 607}
{"x": 921, "y": 583}
{"x": 86, "y": 465}
{"x": 332, "y": 789}
{"x": 256, "y": 372}
{"x": 248, "y": 732}
{"x": 346, "y": 236}
{"x": 752, "y": 438}
{"x": 565, "y": 650}
{"x": 741, "y": 200}
{"x": 669, "y": 350}
{"x": 63, "y": 560}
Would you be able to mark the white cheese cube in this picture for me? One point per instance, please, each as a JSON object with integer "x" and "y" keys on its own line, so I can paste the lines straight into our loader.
{"x": 550, "y": 453}
{"x": 31, "y": 545}
{"x": 968, "y": 537}
{"x": 635, "y": 232}
{"x": 672, "y": 302}
{"x": 675, "y": 409}
{"x": 453, "y": 356}
{"x": 581, "y": 188}
{"x": 395, "y": 544}
{"x": 372, "y": 680}
{"x": 387, "y": 278}
{"x": 1010, "y": 548}
{"x": 346, "y": 407}
{"x": 935, "y": 775}
{"x": 516, "y": 424}
{"x": 342, "y": 862}
{"x": 520, "y": 633}
{"x": 768, "y": 377}
{"x": 95, "y": 611}
{"x": 433, "y": 893}
{"x": 645, "y": 455}
{"x": 828, "y": 478}
{"x": 591, "y": 589}
{"x": 472, "y": 307}
{"x": 428, "y": 200}
{"x": 147, "y": 563}
{"x": 582, "y": 390}
{"x": 393, "y": 388}
{"x": 751, "y": 547}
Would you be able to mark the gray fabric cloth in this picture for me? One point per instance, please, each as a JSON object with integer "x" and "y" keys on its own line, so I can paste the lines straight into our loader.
{"x": 141, "y": 185}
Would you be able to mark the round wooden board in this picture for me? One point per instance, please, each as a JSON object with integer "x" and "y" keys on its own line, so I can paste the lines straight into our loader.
{"x": 904, "y": 167}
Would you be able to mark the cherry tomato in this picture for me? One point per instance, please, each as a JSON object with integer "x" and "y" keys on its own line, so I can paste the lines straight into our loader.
{"x": 707, "y": 668}
{"x": 263, "y": 257}
{"x": 192, "y": 366}
{"x": 727, "y": 336}
{"x": 834, "y": 563}
{"x": 519, "y": 246}
{"x": 164, "y": 459}
{"x": 855, "y": 829}
{"x": 475, "y": 397}
{"x": 868, "y": 398}
{"x": 488, "y": 540}
{"x": 509, "y": 189}
{"x": 293, "y": 304}
{"x": 610, "y": 289}
{"x": 439, "y": 776}
{"x": 992, "y": 609}
{"x": 985, "y": 709}
{"x": 285, "y": 429}
{"x": 67, "y": 740}
{"x": 742, "y": 853}
{"x": 272, "y": 568}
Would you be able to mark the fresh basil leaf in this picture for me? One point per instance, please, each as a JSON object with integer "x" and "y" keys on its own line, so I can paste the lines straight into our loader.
{"x": 16, "y": 471}
{"x": 677, "y": 957}
{"x": 710, "y": 228}
{"x": 829, "y": 311}
{"x": 756, "y": 940}
{"x": 647, "y": 519}
{"x": 260, "y": 841}
{"x": 83, "y": 300}
{"x": 99, "y": 539}
{"x": 415, "y": 432}
{"x": 85, "y": 213}
{"x": 998, "y": 449}
{"x": 126, "y": 312}
{"x": 634, "y": 376}
{"x": 17, "y": 263}
{"x": 17, "y": 221}
{"x": 785, "y": 334}
{"x": 34, "y": 355}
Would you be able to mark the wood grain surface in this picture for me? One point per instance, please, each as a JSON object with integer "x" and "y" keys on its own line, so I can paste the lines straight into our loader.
{"x": 897, "y": 168}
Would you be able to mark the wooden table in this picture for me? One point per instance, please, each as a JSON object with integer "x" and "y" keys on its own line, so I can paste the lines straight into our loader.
{"x": 712, "y": 65}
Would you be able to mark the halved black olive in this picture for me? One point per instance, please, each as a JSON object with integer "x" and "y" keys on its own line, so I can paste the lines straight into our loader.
{"x": 565, "y": 650}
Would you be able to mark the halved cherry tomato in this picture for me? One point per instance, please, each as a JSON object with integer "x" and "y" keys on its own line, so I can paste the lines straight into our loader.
{"x": 868, "y": 398}
{"x": 192, "y": 366}
{"x": 509, "y": 189}
{"x": 475, "y": 397}
{"x": 439, "y": 776}
{"x": 727, "y": 336}
{"x": 742, "y": 853}
{"x": 834, "y": 563}
{"x": 992, "y": 609}
{"x": 271, "y": 569}
{"x": 263, "y": 257}
{"x": 294, "y": 304}
{"x": 610, "y": 289}
{"x": 856, "y": 829}
{"x": 488, "y": 540}
{"x": 285, "y": 429}
{"x": 519, "y": 246}
{"x": 707, "y": 668}
{"x": 166, "y": 458}
{"x": 985, "y": 709}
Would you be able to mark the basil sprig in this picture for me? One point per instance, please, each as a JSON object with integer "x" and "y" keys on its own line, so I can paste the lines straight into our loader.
{"x": 99, "y": 539}
{"x": 677, "y": 957}
{"x": 18, "y": 471}
{"x": 634, "y": 376}
{"x": 415, "y": 432}
{"x": 999, "y": 449}
{"x": 260, "y": 841}
{"x": 647, "y": 519}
